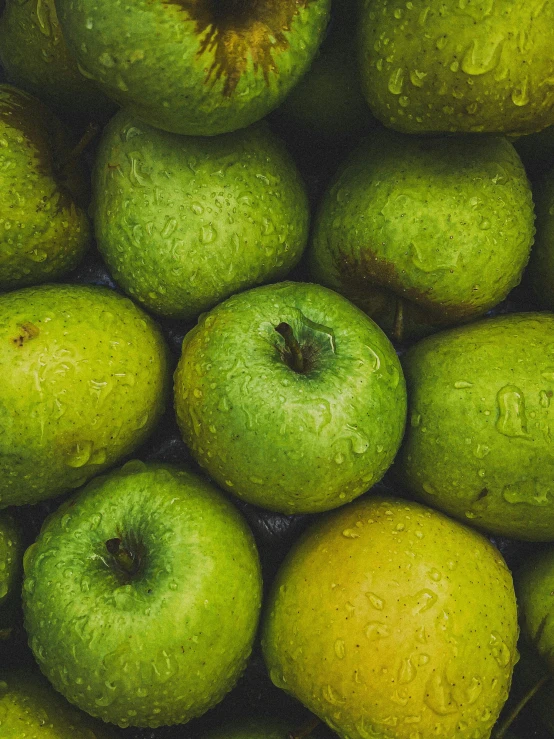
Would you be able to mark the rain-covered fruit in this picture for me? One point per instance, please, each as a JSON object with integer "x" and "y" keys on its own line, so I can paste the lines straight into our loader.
{"x": 328, "y": 102}
{"x": 290, "y": 397}
{"x": 195, "y": 66}
{"x": 35, "y": 57}
{"x": 478, "y": 440}
{"x": 44, "y": 230}
{"x": 534, "y": 582}
{"x": 11, "y": 554}
{"x": 458, "y": 65}
{"x": 141, "y": 596}
{"x": 184, "y": 222}
{"x": 388, "y": 619}
{"x": 30, "y": 707}
{"x": 425, "y": 232}
{"x": 84, "y": 379}
{"x": 540, "y": 274}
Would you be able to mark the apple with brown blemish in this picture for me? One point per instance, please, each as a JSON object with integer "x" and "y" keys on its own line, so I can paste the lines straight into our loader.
{"x": 199, "y": 67}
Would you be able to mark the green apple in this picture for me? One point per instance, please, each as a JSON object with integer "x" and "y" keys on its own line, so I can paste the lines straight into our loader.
{"x": 422, "y": 233}
{"x": 11, "y": 553}
{"x": 540, "y": 275}
{"x": 195, "y": 66}
{"x": 290, "y": 397}
{"x": 478, "y": 441}
{"x": 327, "y": 102}
{"x": 35, "y": 57}
{"x": 44, "y": 230}
{"x": 29, "y": 707}
{"x": 84, "y": 378}
{"x": 458, "y": 65}
{"x": 141, "y": 596}
{"x": 184, "y": 222}
{"x": 389, "y": 620}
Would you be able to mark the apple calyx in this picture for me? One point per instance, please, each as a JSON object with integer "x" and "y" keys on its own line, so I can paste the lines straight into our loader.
{"x": 127, "y": 561}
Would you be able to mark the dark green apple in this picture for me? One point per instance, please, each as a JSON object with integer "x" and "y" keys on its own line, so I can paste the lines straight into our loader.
{"x": 141, "y": 596}
{"x": 389, "y": 620}
{"x": 478, "y": 443}
{"x": 184, "y": 222}
{"x": 328, "y": 103}
{"x": 35, "y": 57}
{"x": 540, "y": 274}
{"x": 290, "y": 397}
{"x": 423, "y": 233}
{"x": 11, "y": 553}
{"x": 44, "y": 230}
{"x": 84, "y": 380}
{"x": 30, "y": 707}
{"x": 459, "y": 65}
{"x": 195, "y": 66}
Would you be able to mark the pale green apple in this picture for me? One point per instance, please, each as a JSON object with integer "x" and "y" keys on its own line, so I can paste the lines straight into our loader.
{"x": 389, "y": 620}
{"x": 184, "y": 222}
{"x": 84, "y": 381}
{"x": 44, "y": 229}
{"x": 35, "y": 57}
{"x": 141, "y": 596}
{"x": 195, "y": 66}
{"x": 290, "y": 397}
{"x": 478, "y": 442}
{"x": 423, "y": 233}
{"x": 30, "y": 707}
{"x": 458, "y": 65}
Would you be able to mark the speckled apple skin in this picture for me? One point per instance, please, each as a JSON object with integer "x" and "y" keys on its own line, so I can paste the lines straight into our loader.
{"x": 167, "y": 645}
{"x": 391, "y": 621}
{"x": 34, "y": 56}
{"x": 287, "y": 441}
{"x": 445, "y": 225}
{"x": 478, "y": 442}
{"x": 459, "y": 65}
{"x": 180, "y": 73}
{"x": 30, "y": 707}
{"x": 84, "y": 381}
{"x": 185, "y": 222}
{"x": 44, "y": 231}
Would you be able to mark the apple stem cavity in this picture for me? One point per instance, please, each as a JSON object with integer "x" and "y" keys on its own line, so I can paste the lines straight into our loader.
{"x": 126, "y": 561}
{"x": 516, "y": 710}
{"x": 306, "y": 729}
{"x": 292, "y": 355}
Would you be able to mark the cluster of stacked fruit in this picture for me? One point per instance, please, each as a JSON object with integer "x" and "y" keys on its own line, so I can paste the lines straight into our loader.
{"x": 345, "y": 458}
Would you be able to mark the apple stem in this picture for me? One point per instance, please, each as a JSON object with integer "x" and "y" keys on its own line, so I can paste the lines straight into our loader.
{"x": 306, "y": 729}
{"x": 514, "y": 713}
{"x": 90, "y": 132}
{"x": 294, "y": 351}
{"x": 122, "y": 556}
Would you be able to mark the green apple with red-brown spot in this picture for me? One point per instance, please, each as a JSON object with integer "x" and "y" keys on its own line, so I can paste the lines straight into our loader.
{"x": 195, "y": 66}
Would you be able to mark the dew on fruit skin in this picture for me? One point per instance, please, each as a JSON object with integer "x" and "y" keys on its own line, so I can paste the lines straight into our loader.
{"x": 340, "y": 649}
{"x": 332, "y": 696}
{"x": 396, "y": 81}
{"x": 544, "y": 398}
{"x": 438, "y": 696}
{"x": 79, "y": 455}
{"x": 499, "y": 649}
{"x": 376, "y": 630}
{"x": 462, "y": 384}
{"x": 351, "y": 534}
{"x": 481, "y": 451}
{"x": 376, "y": 602}
{"x": 512, "y": 419}
{"x": 425, "y": 600}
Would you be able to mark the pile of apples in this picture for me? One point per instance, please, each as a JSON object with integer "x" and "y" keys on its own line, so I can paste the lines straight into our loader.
{"x": 277, "y": 362}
